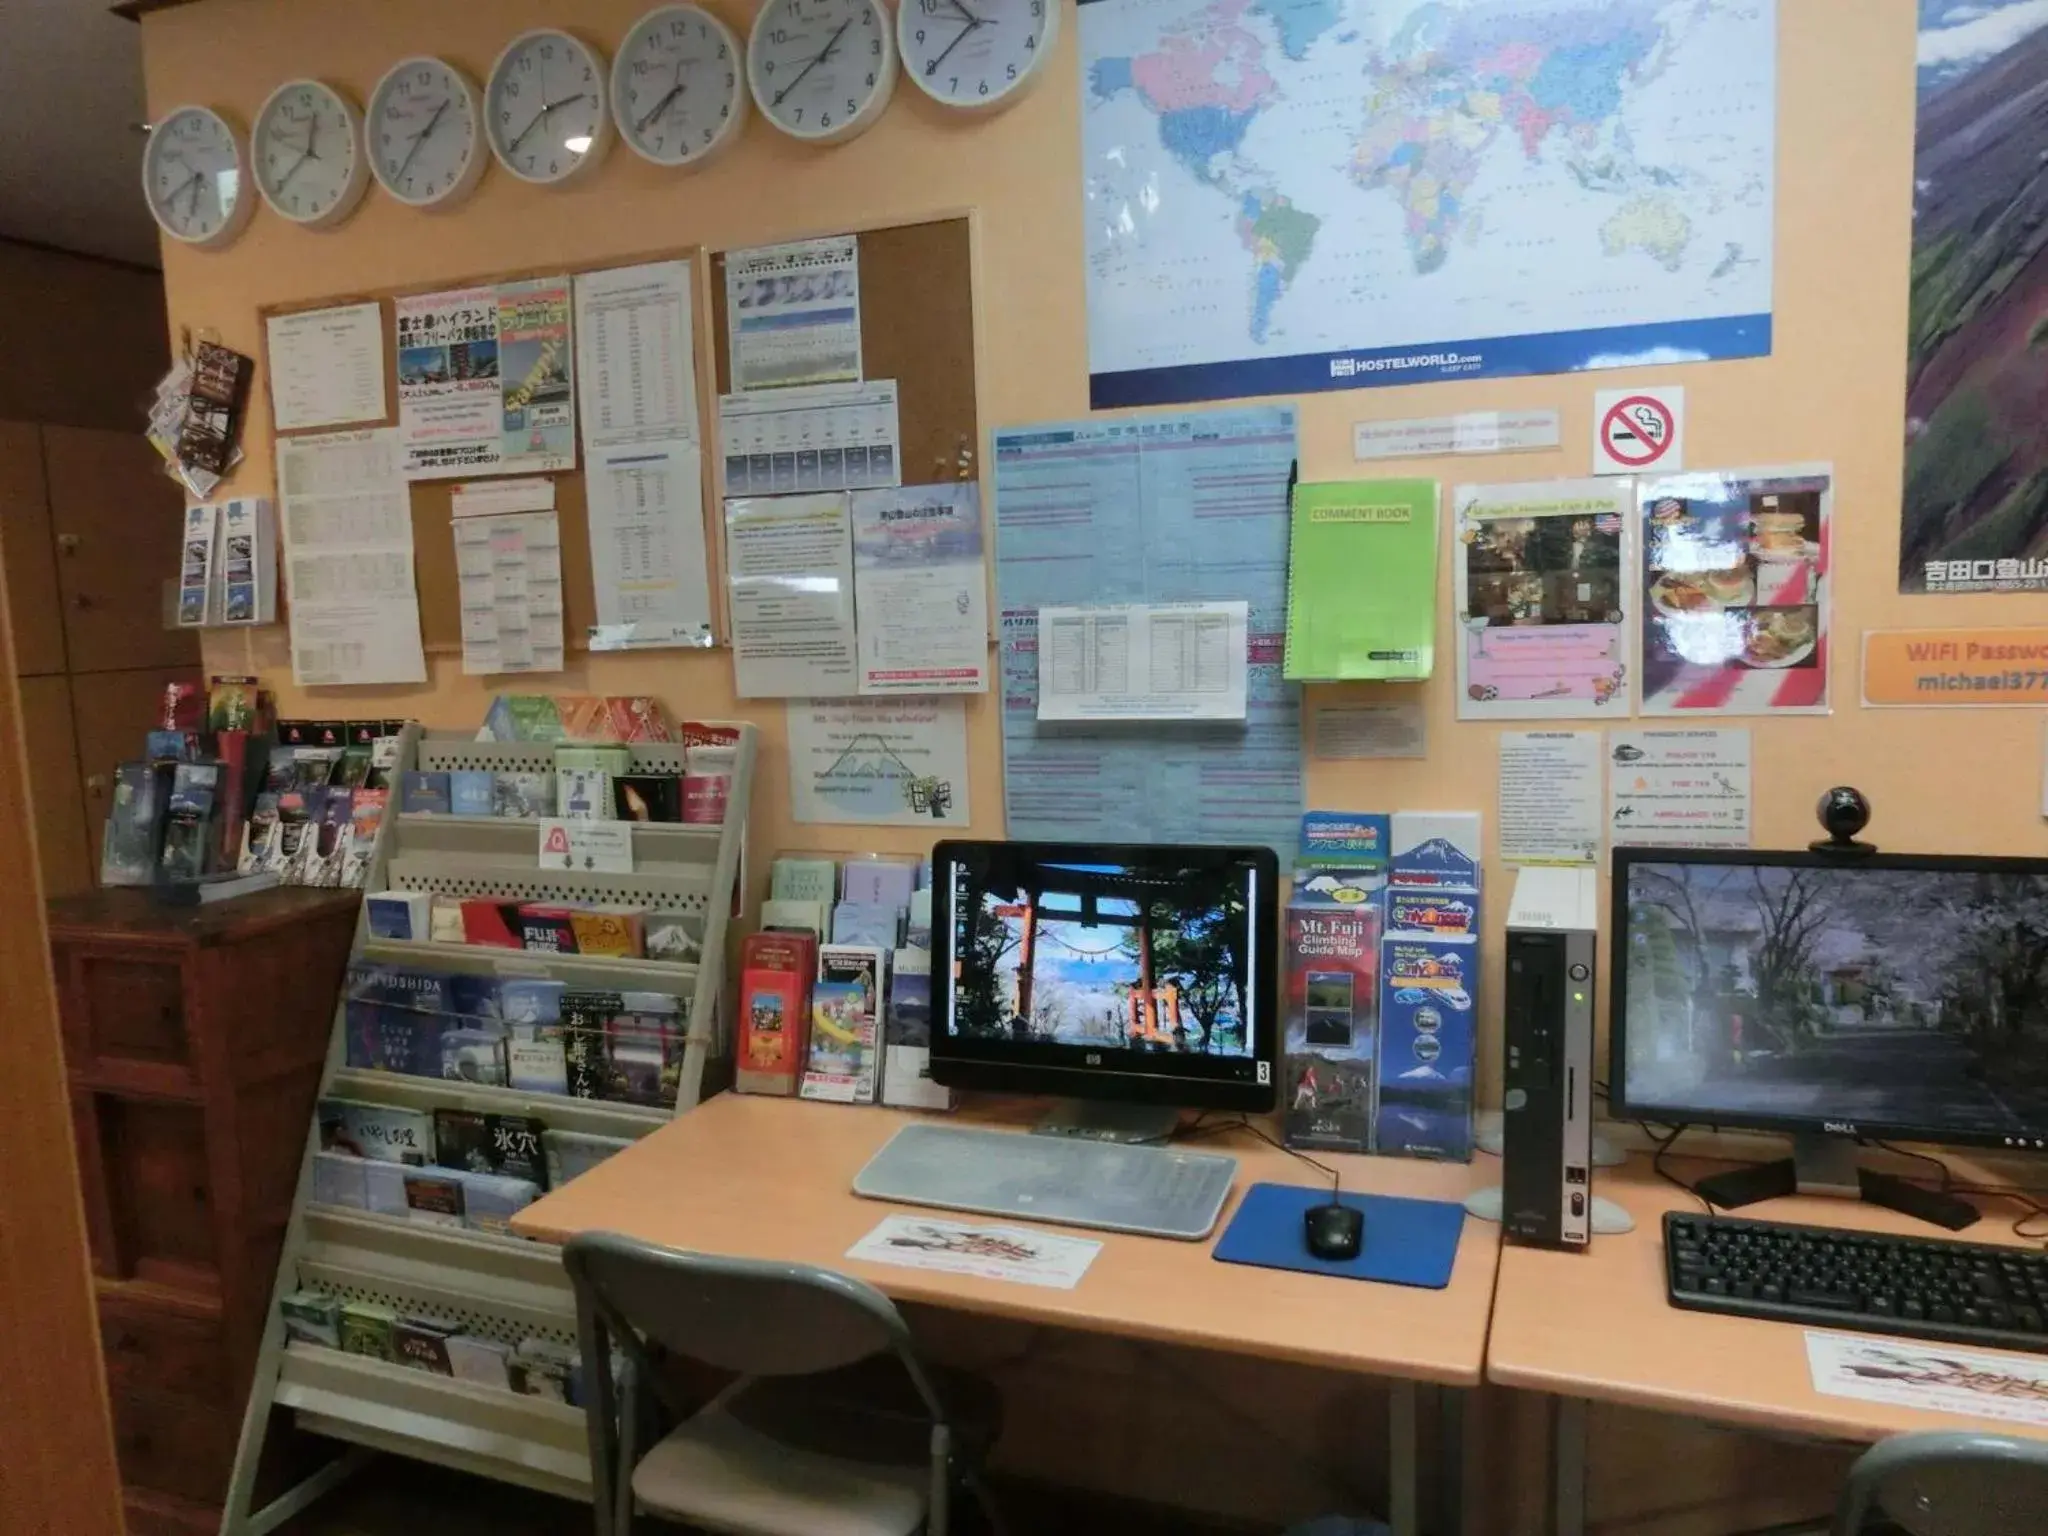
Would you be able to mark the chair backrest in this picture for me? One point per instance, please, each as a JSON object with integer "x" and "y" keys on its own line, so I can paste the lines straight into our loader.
{"x": 743, "y": 1315}
{"x": 1949, "y": 1484}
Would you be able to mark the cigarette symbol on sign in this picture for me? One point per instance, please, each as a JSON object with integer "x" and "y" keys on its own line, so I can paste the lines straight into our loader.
{"x": 1636, "y": 431}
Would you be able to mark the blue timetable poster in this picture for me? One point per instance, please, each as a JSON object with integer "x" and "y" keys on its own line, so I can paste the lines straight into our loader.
{"x": 1181, "y": 508}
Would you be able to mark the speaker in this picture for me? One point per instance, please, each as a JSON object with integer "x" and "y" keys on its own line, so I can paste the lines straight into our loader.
{"x": 1547, "y": 1110}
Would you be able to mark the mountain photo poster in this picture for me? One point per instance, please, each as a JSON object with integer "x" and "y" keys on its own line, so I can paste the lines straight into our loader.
{"x": 1975, "y": 515}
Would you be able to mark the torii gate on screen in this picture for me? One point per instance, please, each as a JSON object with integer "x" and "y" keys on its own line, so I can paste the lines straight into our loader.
{"x": 1155, "y": 1011}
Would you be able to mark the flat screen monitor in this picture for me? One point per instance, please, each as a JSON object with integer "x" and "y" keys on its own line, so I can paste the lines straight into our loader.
{"x": 1135, "y": 973}
{"x": 1889, "y": 995}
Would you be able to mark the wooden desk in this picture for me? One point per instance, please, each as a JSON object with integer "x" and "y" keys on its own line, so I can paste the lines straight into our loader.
{"x": 771, "y": 1178}
{"x": 1595, "y": 1326}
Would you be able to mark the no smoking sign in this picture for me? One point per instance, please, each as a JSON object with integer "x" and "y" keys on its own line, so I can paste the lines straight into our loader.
{"x": 1638, "y": 429}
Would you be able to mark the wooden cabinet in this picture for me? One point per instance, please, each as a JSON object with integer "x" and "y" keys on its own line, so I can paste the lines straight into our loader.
{"x": 193, "y": 1041}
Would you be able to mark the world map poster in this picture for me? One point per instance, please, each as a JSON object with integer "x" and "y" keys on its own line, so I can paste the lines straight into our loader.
{"x": 1294, "y": 195}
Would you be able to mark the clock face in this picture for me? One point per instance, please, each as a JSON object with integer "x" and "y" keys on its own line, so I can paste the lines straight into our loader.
{"x": 194, "y": 175}
{"x": 425, "y": 133}
{"x": 821, "y": 69}
{"x": 545, "y": 108}
{"x": 308, "y": 153}
{"x": 976, "y": 54}
{"x": 676, "y": 91}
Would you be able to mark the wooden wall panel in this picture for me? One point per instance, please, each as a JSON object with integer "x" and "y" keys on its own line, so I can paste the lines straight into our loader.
{"x": 117, "y": 519}
{"x": 56, "y": 793}
{"x": 27, "y": 552}
{"x": 57, "y": 1465}
{"x": 86, "y": 339}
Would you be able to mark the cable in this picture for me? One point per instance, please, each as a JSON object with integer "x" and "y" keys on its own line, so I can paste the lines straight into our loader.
{"x": 1244, "y": 1123}
{"x": 1948, "y": 1179}
{"x": 1657, "y": 1163}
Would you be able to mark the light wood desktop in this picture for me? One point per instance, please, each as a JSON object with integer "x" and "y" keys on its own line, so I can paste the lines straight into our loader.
{"x": 772, "y": 1178}
{"x": 1595, "y": 1326}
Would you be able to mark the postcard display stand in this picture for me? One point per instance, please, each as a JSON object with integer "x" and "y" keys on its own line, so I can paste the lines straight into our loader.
{"x": 499, "y": 1287}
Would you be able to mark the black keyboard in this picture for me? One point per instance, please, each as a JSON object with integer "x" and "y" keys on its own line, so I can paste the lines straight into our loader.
{"x": 1925, "y": 1288}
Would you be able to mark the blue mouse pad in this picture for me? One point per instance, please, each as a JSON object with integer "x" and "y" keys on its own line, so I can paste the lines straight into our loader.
{"x": 1407, "y": 1242}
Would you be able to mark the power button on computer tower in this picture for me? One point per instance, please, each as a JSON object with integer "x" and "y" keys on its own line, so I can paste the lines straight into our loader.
{"x": 1578, "y": 972}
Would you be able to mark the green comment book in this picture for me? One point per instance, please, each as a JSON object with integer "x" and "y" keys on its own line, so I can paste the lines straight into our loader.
{"x": 1361, "y": 581}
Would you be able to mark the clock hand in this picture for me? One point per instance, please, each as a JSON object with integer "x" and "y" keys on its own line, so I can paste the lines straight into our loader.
{"x": 421, "y": 137}
{"x": 179, "y": 190}
{"x": 830, "y": 44}
{"x": 532, "y": 123}
{"x": 964, "y": 33}
{"x": 660, "y": 107}
{"x": 304, "y": 156}
{"x": 972, "y": 19}
{"x": 198, "y": 180}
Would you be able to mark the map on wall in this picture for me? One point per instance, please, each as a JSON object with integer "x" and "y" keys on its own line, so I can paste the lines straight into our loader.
{"x": 1290, "y": 195}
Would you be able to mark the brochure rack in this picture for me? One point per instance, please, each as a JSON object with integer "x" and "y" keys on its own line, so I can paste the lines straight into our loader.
{"x": 498, "y": 1287}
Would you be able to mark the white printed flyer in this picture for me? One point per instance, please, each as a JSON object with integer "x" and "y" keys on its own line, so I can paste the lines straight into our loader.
{"x": 920, "y": 590}
{"x": 1022, "y": 1254}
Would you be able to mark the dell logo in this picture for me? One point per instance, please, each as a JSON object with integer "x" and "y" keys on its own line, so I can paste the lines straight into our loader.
{"x": 1093, "y": 1059}
{"x": 1839, "y": 1127}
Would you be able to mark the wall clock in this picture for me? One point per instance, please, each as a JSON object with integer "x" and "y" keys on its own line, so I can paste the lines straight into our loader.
{"x": 424, "y": 132}
{"x": 195, "y": 176}
{"x": 976, "y": 55}
{"x": 546, "y": 109}
{"x": 821, "y": 70}
{"x": 677, "y": 96}
{"x": 307, "y": 149}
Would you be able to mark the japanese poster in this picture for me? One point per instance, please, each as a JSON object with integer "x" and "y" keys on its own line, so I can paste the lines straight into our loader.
{"x": 1543, "y": 604}
{"x": 1735, "y": 574}
{"x": 1975, "y": 517}
{"x": 486, "y": 381}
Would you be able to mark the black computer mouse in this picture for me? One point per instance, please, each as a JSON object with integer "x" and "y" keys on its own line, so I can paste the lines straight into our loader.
{"x": 1334, "y": 1231}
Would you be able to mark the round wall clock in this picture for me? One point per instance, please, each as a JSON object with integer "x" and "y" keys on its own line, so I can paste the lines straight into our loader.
{"x": 821, "y": 70}
{"x": 424, "y": 132}
{"x": 976, "y": 55}
{"x": 677, "y": 96}
{"x": 307, "y": 146}
{"x": 195, "y": 177}
{"x": 545, "y": 108}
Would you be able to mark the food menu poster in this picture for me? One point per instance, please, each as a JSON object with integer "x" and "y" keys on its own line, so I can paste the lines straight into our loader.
{"x": 1735, "y": 591}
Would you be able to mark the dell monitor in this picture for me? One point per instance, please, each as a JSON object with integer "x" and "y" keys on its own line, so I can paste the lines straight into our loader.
{"x": 1134, "y": 976}
{"x": 1838, "y": 998}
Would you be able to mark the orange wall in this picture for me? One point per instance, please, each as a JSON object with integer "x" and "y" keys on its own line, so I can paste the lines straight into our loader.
{"x": 1961, "y": 780}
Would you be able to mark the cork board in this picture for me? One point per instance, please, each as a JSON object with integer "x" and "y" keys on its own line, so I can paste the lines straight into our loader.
{"x": 917, "y": 327}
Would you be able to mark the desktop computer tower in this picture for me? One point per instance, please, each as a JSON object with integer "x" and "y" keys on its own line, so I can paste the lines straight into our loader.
{"x": 1547, "y": 1111}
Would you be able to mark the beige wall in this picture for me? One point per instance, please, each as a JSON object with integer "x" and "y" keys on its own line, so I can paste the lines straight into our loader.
{"x": 1833, "y": 390}
{"x": 86, "y": 341}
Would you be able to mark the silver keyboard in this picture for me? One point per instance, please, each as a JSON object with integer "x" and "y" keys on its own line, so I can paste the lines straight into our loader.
{"x": 1070, "y": 1181}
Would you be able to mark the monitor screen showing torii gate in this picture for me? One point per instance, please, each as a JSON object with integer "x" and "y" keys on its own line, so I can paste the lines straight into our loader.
{"x": 1143, "y": 955}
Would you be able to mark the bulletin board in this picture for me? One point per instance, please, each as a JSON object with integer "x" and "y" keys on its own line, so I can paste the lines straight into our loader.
{"x": 917, "y": 327}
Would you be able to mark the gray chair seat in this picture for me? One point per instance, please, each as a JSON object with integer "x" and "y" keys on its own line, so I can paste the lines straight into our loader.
{"x": 717, "y": 1473}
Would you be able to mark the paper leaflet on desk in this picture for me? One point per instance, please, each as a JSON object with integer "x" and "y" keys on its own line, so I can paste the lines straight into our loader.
{"x": 1022, "y": 1254}
{"x": 1935, "y": 1378}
